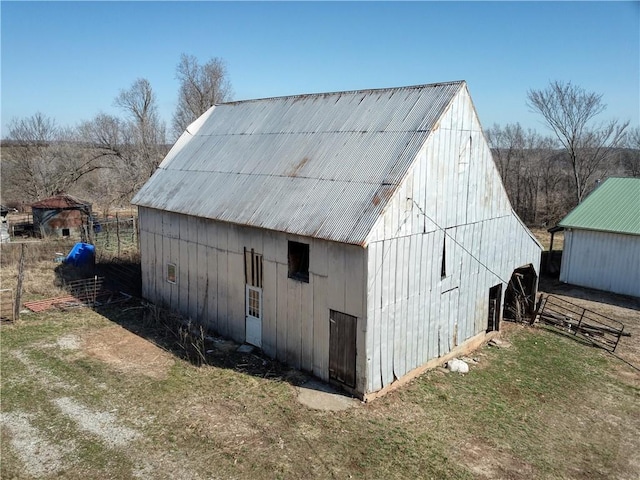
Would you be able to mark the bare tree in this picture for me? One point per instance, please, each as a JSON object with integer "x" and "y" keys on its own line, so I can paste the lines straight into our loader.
{"x": 43, "y": 159}
{"x": 201, "y": 86}
{"x": 104, "y": 136}
{"x": 144, "y": 133}
{"x": 570, "y": 111}
{"x": 630, "y": 157}
{"x": 525, "y": 160}
{"x": 132, "y": 147}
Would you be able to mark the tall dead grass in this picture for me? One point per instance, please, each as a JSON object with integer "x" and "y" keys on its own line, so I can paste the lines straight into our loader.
{"x": 40, "y": 276}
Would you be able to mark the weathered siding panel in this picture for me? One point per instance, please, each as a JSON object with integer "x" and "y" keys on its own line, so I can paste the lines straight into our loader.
{"x": 452, "y": 197}
{"x": 602, "y": 260}
{"x": 210, "y": 286}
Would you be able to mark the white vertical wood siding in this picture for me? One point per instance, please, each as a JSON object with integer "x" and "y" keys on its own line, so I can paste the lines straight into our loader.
{"x": 211, "y": 285}
{"x": 451, "y": 196}
{"x": 602, "y": 260}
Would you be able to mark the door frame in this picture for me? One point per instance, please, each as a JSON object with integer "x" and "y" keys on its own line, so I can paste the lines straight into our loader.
{"x": 495, "y": 311}
{"x": 253, "y": 324}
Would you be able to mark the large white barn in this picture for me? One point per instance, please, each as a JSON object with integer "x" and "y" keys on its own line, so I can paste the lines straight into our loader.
{"x": 357, "y": 235}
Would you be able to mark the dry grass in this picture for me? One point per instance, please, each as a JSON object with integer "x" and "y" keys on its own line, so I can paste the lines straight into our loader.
{"x": 75, "y": 388}
{"x": 544, "y": 238}
{"x": 40, "y": 279}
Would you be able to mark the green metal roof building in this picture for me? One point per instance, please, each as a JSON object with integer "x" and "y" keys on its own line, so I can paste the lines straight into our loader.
{"x": 602, "y": 239}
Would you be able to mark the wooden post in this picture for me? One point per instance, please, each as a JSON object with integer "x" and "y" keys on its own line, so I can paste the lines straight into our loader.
{"x": 16, "y": 306}
{"x": 118, "y": 232}
{"x": 90, "y": 232}
{"x": 550, "y": 254}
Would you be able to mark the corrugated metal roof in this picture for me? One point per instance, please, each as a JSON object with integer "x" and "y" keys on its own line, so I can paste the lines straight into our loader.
{"x": 320, "y": 165}
{"x": 61, "y": 201}
{"x": 613, "y": 207}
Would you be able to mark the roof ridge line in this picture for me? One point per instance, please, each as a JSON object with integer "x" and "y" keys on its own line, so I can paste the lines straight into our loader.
{"x": 346, "y": 92}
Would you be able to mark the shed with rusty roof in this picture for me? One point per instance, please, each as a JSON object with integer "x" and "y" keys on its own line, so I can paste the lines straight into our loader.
{"x": 62, "y": 215}
{"x": 357, "y": 235}
{"x": 602, "y": 239}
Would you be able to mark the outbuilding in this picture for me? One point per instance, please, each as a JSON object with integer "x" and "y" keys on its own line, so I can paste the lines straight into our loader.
{"x": 61, "y": 216}
{"x": 602, "y": 239}
{"x": 359, "y": 235}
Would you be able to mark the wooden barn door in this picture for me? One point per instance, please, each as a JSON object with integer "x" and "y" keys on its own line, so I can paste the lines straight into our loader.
{"x": 342, "y": 348}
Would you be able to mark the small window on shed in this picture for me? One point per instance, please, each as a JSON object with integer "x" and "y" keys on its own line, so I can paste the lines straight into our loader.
{"x": 299, "y": 261}
{"x": 172, "y": 271}
{"x": 65, "y": 232}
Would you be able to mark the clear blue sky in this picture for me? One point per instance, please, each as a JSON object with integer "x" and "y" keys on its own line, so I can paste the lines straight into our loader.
{"x": 69, "y": 60}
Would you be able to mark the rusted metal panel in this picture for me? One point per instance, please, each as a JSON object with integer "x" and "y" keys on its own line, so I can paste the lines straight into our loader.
{"x": 59, "y": 202}
{"x": 322, "y": 165}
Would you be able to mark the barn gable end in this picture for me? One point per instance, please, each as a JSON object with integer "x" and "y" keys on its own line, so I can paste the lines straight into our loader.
{"x": 447, "y": 236}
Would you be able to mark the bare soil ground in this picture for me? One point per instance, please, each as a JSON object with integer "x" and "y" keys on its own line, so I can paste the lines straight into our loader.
{"x": 126, "y": 352}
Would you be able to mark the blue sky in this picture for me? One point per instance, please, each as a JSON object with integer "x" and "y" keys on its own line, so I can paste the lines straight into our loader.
{"x": 69, "y": 60}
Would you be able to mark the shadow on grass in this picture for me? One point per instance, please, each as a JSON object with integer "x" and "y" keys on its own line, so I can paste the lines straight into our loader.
{"x": 172, "y": 332}
{"x": 554, "y": 286}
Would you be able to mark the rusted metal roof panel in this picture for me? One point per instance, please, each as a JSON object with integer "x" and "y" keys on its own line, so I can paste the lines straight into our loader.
{"x": 59, "y": 202}
{"x": 321, "y": 165}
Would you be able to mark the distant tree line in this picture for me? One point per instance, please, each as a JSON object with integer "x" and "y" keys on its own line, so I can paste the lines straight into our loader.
{"x": 547, "y": 176}
{"x": 108, "y": 158}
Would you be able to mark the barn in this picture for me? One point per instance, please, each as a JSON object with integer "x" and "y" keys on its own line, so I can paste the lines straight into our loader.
{"x": 602, "y": 239}
{"x": 62, "y": 215}
{"x": 361, "y": 236}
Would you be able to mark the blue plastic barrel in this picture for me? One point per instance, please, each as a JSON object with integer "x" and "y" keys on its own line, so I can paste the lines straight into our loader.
{"x": 81, "y": 254}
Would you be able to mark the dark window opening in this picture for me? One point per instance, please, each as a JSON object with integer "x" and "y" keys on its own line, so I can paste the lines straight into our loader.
{"x": 172, "y": 273}
{"x": 253, "y": 268}
{"x": 495, "y": 298}
{"x": 443, "y": 265}
{"x": 299, "y": 261}
{"x": 65, "y": 232}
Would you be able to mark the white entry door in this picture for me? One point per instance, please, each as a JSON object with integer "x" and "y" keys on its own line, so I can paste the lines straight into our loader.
{"x": 253, "y": 333}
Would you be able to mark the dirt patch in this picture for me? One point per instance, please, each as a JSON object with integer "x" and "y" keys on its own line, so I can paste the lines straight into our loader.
{"x": 127, "y": 352}
{"x": 226, "y": 421}
{"x": 318, "y": 395}
{"x": 487, "y": 462}
{"x": 68, "y": 342}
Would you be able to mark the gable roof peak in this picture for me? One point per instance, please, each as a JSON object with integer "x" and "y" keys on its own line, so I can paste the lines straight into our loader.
{"x": 366, "y": 91}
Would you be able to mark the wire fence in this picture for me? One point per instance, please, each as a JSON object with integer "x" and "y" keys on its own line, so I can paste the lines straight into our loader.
{"x": 115, "y": 237}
